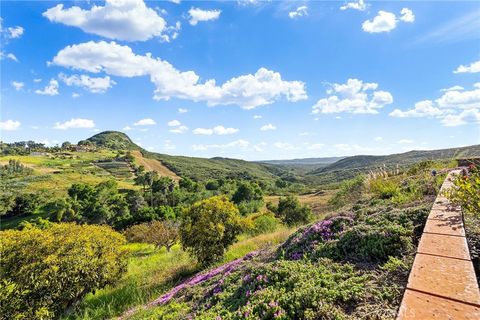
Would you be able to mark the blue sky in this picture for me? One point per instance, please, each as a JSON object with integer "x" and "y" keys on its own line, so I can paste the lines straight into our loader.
{"x": 247, "y": 79}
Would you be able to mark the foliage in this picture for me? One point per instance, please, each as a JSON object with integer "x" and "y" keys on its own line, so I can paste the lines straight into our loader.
{"x": 209, "y": 227}
{"x": 159, "y": 233}
{"x": 247, "y": 192}
{"x": 14, "y": 169}
{"x": 349, "y": 192}
{"x": 261, "y": 223}
{"x": 46, "y": 271}
{"x": 364, "y": 237}
{"x": 290, "y": 211}
{"x": 466, "y": 191}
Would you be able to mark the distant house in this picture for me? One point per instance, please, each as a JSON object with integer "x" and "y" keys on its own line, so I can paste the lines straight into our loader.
{"x": 38, "y": 154}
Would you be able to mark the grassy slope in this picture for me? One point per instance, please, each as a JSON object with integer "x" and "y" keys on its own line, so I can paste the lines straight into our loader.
{"x": 152, "y": 272}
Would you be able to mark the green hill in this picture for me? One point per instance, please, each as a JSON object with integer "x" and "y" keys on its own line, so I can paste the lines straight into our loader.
{"x": 349, "y": 167}
{"x": 113, "y": 140}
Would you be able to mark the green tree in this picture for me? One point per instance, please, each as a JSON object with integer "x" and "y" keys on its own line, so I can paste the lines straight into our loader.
{"x": 159, "y": 233}
{"x": 209, "y": 227}
{"x": 247, "y": 192}
{"x": 291, "y": 212}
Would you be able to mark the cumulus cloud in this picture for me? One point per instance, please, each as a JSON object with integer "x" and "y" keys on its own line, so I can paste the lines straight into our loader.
{"x": 197, "y": 15}
{"x": 407, "y": 15}
{"x": 94, "y": 85}
{"x": 454, "y": 88}
{"x": 355, "y": 5}
{"x": 473, "y": 67}
{"x": 182, "y": 110}
{"x": 9, "y": 125}
{"x": 257, "y": 117}
{"x": 50, "y": 90}
{"x": 179, "y": 129}
{"x": 234, "y": 144}
{"x": 299, "y": 12}
{"x": 248, "y": 91}
{"x": 173, "y": 123}
{"x": 18, "y": 85}
{"x": 10, "y": 56}
{"x": 145, "y": 122}
{"x": 268, "y": 127}
{"x": 355, "y": 96}
{"x": 128, "y": 20}
{"x": 218, "y": 130}
{"x": 75, "y": 123}
{"x": 454, "y": 107}
{"x": 386, "y": 21}
{"x": 15, "y": 32}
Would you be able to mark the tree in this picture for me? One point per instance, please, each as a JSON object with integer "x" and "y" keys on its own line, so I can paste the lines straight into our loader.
{"x": 247, "y": 192}
{"x": 291, "y": 212}
{"x": 209, "y": 227}
{"x": 159, "y": 233}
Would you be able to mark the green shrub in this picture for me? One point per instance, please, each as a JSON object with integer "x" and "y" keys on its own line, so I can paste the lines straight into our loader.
{"x": 466, "y": 192}
{"x": 247, "y": 207}
{"x": 209, "y": 227}
{"x": 264, "y": 223}
{"x": 384, "y": 188}
{"x": 291, "y": 212}
{"x": 46, "y": 271}
{"x": 160, "y": 233}
{"x": 350, "y": 192}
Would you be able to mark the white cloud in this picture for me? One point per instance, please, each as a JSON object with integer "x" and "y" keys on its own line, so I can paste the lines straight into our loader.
{"x": 9, "y": 125}
{"x": 453, "y": 107}
{"x": 299, "y": 12}
{"x": 75, "y": 124}
{"x": 257, "y": 117}
{"x": 179, "y": 129}
{"x": 315, "y": 146}
{"x": 75, "y": 95}
{"x": 356, "y": 5}
{"x": 464, "y": 117}
{"x": 352, "y": 148}
{"x": 218, "y": 130}
{"x": 268, "y": 127}
{"x": 10, "y": 56}
{"x": 284, "y": 145}
{"x": 383, "y": 22}
{"x": 259, "y": 146}
{"x": 234, "y": 144}
{"x": 248, "y": 91}
{"x": 425, "y": 108}
{"x": 168, "y": 145}
{"x": 182, "y": 110}
{"x": 378, "y": 139}
{"x": 407, "y": 15}
{"x": 473, "y": 67}
{"x": 145, "y": 122}
{"x": 198, "y": 15}
{"x": 50, "y": 90}
{"x": 405, "y": 141}
{"x": 126, "y": 128}
{"x": 94, "y": 85}
{"x": 129, "y": 20}
{"x": 387, "y": 21}
{"x": 355, "y": 96}
{"x": 173, "y": 123}
{"x": 18, "y": 85}
{"x": 37, "y": 80}
{"x": 15, "y": 32}
{"x": 454, "y": 88}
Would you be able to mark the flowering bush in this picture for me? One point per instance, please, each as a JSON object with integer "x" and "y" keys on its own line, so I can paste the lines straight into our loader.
{"x": 44, "y": 271}
{"x": 466, "y": 192}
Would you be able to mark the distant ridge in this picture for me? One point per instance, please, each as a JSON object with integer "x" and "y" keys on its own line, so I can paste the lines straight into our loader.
{"x": 304, "y": 161}
{"x": 365, "y": 162}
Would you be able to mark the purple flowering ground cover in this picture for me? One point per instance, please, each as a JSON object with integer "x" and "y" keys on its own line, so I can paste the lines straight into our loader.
{"x": 352, "y": 265}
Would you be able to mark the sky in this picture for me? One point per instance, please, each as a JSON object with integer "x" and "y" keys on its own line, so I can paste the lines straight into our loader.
{"x": 243, "y": 79}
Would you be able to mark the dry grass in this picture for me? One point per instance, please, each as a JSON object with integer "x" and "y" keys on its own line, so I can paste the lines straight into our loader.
{"x": 154, "y": 165}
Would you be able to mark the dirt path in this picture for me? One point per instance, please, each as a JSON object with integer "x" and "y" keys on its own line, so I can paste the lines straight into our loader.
{"x": 154, "y": 165}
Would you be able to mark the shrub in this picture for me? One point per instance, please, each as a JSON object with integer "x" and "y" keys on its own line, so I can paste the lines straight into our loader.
{"x": 350, "y": 191}
{"x": 160, "y": 233}
{"x": 383, "y": 188}
{"x": 291, "y": 212}
{"x": 209, "y": 227}
{"x": 466, "y": 192}
{"x": 247, "y": 207}
{"x": 46, "y": 271}
{"x": 247, "y": 192}
{"x": 264, "y": 223}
